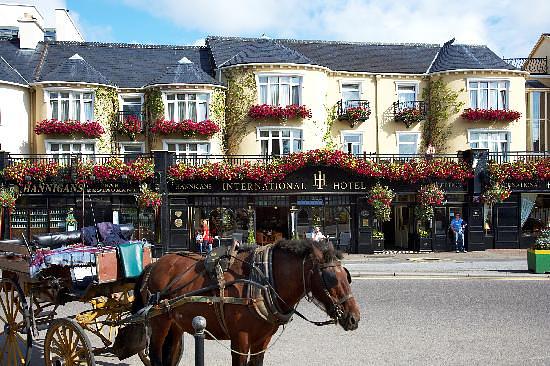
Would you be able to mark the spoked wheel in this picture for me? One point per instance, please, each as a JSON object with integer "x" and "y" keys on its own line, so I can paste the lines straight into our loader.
{"x": 15, "y": 325}
{"x": 67, "y": 344}
{"x": 145, "y": 359}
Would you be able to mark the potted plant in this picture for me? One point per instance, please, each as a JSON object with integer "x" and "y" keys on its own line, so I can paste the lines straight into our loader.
{"x": 377, "y": 241}
{"x": 424, "y": 240}
{"x": 538, "y": 257}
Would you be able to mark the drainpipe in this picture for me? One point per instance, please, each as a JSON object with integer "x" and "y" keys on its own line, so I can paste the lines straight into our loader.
{"x": 32, "y": 112}
{"x": 377, "y": 115}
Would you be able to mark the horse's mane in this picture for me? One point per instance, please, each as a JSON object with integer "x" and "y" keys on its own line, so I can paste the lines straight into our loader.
{"x": 303, "y": 247}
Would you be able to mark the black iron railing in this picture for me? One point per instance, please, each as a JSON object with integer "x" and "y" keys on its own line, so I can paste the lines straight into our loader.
{"x": 513, "y": 156}
{"x": 345, "y": 105}
{"x": 533, "y": 65}
{"x": 410, "y": 112}
{"x": 126, "y": 116}
{"x": 68, "y": 160}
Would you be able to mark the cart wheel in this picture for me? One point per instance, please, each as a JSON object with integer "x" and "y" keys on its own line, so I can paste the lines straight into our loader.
{"x": 67, "y": 344}
{"x": 145, "y": 359}
{"x": 15, "y": 332}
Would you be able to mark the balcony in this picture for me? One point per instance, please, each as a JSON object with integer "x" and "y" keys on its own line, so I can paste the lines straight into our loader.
{"x": 410, "y": 112}
{"x": 129, "y": 123}
{"x": 533, "y": 65}
{"x": 353, "y": 111}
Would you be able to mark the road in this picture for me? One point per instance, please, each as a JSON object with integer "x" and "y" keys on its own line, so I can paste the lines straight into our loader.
{"x": 416, "y": 321}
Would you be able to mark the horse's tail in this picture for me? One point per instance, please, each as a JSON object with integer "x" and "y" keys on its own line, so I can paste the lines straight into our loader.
{"x": 138, "y": 303}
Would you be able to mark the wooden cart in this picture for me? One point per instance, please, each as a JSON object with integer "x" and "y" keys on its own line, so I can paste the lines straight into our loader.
{"x": 29, "y": 305}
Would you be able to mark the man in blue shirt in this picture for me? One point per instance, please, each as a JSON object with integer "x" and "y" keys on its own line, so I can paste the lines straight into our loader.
{"x": 457, "y": 226}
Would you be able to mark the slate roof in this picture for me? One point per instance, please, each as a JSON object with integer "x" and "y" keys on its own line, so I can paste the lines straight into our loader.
{"x": 9, "y": 74}
{"x": 76, "y": 69}
{"x": 25, "y": 61}
{"x": 461, "y": 56}
{"x": 184, "y": 72}
{"x": 535, "y": 84}
{"x": 266, "y": 51}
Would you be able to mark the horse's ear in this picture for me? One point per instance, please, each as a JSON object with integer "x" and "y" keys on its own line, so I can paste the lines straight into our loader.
{"x": 317, "y": 253}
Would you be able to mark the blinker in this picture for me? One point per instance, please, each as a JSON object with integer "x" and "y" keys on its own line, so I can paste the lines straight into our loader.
{"x": 348, "y": 274}
{"x": 329, "y": 279}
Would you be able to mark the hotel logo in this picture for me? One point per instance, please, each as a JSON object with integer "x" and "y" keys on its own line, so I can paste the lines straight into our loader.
{"x": 319, "y": 179}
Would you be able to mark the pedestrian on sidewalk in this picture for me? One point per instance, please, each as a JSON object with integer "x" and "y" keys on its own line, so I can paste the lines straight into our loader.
{"x": 457, "y": 226}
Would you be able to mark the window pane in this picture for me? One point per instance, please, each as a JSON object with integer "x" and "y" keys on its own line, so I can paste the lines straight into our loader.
{"x": 170, "y": 97}
{"x": 408, "y": 149}
{"x": 77, "y": 148}
{"x": 405, "y": 88}
{"x": 180, "y": 97}
{"x": 54, "y": 108}
{"x": 66, "y": 147}
{"x": 285, "y": 133}
{"x": 407, "y": 137}
{"x": 286, "y": 146}
{"x": 53, "y": 95}
{"x": 263, "y": 94}
{"x": 264, "y": 147}
{"x": 275, "y": 148}
{"x": 296, "y": 145}
{"x": 484, "y": 103}
{"x": 473, "y": 99}
{"x": 181, "y": 111}
{"x": 192, "y": 96}
{"x": 473, "y": 84}
{"x": 297, "y": 133}
{"x": 64, "y": 95}
{"x": 493, "y": 99}
{"x": 54, "y": 147}
{"x": 64, "y": 115}
{"x": 131, "y": 101}
{"x": 352, "y": 138}
{"x": 89, "y": 148}
{"x": 296, "y": 94}
{"x": 171, "y": 111}
{"x": 264, "y": 133}
{"x": 275, "y": 133}
{"x": 88, "y": 111}
{"x": 262, "y": 79}
{"x": 76, "y": 110}
{"x": 274, "y": 90}
{"x": 202, "y": 112}
{"x": 87, "y": 96}
{"x": 192, "y": 111}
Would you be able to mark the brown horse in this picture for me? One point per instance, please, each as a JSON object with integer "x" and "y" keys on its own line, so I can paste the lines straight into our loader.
{"x": 298, "y": 269}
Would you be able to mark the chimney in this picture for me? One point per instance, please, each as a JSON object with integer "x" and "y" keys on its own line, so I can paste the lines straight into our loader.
{"x": 65, "y": 27}
{"x": 30, "y": 32}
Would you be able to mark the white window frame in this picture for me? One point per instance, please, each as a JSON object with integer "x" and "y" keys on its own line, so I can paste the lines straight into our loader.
{"x": 488, "y": 80}
{"x": 183, "y": 141}
{"x": 401, "y": 133}
{"x": 71, "y": 142}
{"x": 280, "y": 129}
{"x": 130, "y": 95}
{"x": 416, "y": 85}
{"x": 131, "y": 143}
{"x": 175, "y": 92}
{"x": 485, "y": 130}
{"x": 71, "y": 92}
{"x": 343, "y": 135}
{"x": 286, "y": 74}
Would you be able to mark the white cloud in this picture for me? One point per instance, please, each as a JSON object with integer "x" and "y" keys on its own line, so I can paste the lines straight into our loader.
{"x": 509, "y": 27}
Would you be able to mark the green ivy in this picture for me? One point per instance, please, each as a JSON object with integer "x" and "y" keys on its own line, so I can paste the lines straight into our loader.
{"x": 240, "y": 96}
{"x": 332, "y": 116}
{"x": 154, "y": 104}
{"x": 105, "y": 112}
{"x": 442, "y": 103}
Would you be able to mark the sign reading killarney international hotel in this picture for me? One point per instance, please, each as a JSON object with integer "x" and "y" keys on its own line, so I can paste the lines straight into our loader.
{"x": 307, "y": 180}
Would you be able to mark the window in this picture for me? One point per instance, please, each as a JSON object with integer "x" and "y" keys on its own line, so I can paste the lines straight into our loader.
{"x": 131, "y": 105}
{"x": 406, "y": 94}
{"x": 407, "y": 142}
{"x": 538, "y": 132}
{"x": 352, "y": 143}
{"x": 488, "y": 94}
{"x": 131, "y": 148}
{"x": 63, "y": 149}
{"x": 65, "y": 105}
{"x": 280, "y": 141}
{"x": 351, "y": 94}
{"x": 182, "y": 106}
{"x": 188, "y": 149}
{"x": 495, "y": 141}
{"x": 280, "y": 90}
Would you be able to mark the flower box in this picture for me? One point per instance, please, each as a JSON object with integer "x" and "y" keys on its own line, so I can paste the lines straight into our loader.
{"x": 491, "y": 115}
{"x": 186, "y": 127}
{"x": 70, "y": 127}
{"x": 538, "y": 261}
{"x": 409, "y": 116}
{"x": 266, "y": 111}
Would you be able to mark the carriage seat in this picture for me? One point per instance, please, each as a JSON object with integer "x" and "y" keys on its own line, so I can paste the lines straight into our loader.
{"x": 57, "y": 240}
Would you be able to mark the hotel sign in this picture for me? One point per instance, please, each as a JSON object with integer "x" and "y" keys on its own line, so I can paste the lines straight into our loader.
{"x": 77, "y": 188}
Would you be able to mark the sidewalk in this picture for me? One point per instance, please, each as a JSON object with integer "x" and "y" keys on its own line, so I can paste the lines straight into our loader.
{"x": 493, "y": 263}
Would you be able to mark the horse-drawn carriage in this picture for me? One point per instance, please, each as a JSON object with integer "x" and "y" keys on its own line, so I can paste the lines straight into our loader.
{"x": 251, "y": 291}
{"x": 54, "y": 269}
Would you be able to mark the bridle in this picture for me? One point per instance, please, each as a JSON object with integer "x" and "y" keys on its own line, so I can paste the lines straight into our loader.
{"x": 336, "y": 310}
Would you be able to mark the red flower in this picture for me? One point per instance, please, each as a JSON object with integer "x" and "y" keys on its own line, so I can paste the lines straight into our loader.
{"x": 69, "y": 127}
{"x": 265, "y": 111}
{"x": 490, "y": 115}
{"x": 186, "y": 127}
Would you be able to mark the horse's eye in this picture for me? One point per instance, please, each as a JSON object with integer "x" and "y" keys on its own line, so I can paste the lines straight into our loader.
{"x": 349, "y": 275}
{"x": 329, "y": 278}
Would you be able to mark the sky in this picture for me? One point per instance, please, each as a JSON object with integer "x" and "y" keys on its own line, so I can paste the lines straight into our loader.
{"x": 510, "y": 28}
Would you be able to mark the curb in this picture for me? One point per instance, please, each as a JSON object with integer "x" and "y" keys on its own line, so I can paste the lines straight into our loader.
{"x": 529, "y": 276}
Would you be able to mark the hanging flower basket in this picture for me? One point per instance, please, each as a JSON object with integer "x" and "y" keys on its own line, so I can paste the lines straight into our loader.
{"x": 266, "y": 111}
{"x": 129, "y": 126}
{"x": 7, "y": 199}
{"x": 427, "y": 197}
{"x": 380, "y": 198}
{"x": 491, "y": 115}
{"x": 497, "y": 193}
{"x": 355, "y": 115}
{"x": 186, "y": 127}
{"x": 148, "y": 198}
{"x": 70, "y": 127}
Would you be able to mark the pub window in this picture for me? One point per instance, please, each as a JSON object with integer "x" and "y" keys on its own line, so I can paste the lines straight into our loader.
{"x": 185, "y": 106}
{"x": 407, "y": 142}
{"x": 62, "y": 149}
{"x": 352, "y": 143}
{"x": 279, "y": 141}
{"x": 66, "y": 105}
{"x": 188, "y": 149}
{"x": 488, "y": 94}
{"x": 535, "y": 213}
{"x": 495, "y": 141}
{"x": 279, "y": 90}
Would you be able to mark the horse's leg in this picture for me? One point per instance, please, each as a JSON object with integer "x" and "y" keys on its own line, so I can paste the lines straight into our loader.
{"x": 172, "y": 346}
{"x": 160, "y": 327}
{"x": 258, "y": 360}
{"x": 241, "y": 345}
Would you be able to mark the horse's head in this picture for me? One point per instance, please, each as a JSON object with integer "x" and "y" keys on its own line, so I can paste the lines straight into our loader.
{"x": 330, "y": 285}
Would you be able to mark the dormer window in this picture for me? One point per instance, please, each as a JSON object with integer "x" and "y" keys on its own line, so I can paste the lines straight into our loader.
{"x": 280, "y": 90}
{"x": 66, "y": 105}
{"x": 184, "y": 106}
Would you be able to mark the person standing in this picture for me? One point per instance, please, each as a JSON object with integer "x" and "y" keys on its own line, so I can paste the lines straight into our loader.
{"x": 457, "y": 226}
{"x": 317, "y": 234}
{"x": 198, "y": 240}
